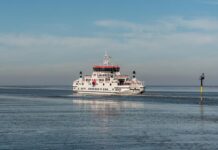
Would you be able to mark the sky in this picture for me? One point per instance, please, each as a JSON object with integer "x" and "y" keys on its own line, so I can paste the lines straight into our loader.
{"x": 167, "y": 42}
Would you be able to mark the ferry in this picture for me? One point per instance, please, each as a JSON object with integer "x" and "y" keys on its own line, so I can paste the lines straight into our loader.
{"x": 106, "y": 79}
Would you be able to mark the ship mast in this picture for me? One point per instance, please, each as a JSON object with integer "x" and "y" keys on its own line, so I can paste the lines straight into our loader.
{"x": 107, "y": 59}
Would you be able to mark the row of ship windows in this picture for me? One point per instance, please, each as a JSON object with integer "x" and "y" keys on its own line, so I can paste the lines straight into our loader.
{"x": 90, "y": 84}
{"x": 104, "y": 89}
{"x": 102, "y": 75}
{"x": 100, "y": 80}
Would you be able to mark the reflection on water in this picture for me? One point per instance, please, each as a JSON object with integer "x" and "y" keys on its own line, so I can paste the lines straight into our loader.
{"x": 202, "y": 107}
{"x": 108, "y": 107}
{"x": 202, "y": 111}
{"x": 201, "y": 99}
{"x": 54, "y": 119}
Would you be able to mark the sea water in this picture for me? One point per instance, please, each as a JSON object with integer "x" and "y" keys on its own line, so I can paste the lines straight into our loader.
{"x": 52, "y": 117}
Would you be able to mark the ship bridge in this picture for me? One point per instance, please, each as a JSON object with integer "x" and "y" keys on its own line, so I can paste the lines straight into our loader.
{"x": 108, "y": 68}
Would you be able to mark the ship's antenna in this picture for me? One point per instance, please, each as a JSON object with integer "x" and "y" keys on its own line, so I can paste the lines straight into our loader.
{"x": 106, "y": 60}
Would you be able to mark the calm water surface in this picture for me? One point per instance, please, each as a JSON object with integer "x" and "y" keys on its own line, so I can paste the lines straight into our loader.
{"x": 46, "y": 117}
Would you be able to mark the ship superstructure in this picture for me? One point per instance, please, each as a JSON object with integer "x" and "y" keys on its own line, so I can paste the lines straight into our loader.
{"x": 107, "y": 79}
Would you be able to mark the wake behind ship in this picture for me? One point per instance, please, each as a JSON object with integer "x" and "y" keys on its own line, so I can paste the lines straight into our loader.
{"x": 106, "y": 79}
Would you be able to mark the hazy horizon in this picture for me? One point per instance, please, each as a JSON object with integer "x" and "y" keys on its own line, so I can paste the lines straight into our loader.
{"x": 167, "y": 42}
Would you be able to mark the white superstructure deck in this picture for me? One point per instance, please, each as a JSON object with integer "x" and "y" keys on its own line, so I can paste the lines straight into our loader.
{"x": 107, "y": 79}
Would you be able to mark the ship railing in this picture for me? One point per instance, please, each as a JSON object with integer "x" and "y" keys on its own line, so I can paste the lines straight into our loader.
{"x": 123, "y": 83}
{"x": 137, "y": 82}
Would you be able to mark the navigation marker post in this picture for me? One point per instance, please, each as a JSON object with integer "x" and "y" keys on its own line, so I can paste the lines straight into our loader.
{"x": 202, "y": 77}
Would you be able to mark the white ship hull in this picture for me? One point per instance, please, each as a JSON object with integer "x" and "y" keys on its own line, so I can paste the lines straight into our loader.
{"x": 109, "y": 90}
{"x": 125, "y": 92}
{"x": 106, "y": 79}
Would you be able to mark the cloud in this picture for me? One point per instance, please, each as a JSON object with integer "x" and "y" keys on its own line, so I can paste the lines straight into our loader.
{"x": 205, "y": 24}
{"x": 172, "y": 45}
{"x": 160, "y": 37}
{"x": 22, "y": 40}
{"x": 201, "y": 30}
{"x": 164, "y": 36}
{"x": 135, "y": 27}
{"x": 117, "y": 24}
{"x": 168, "y": 24}
{"x": 171, "y": 35}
